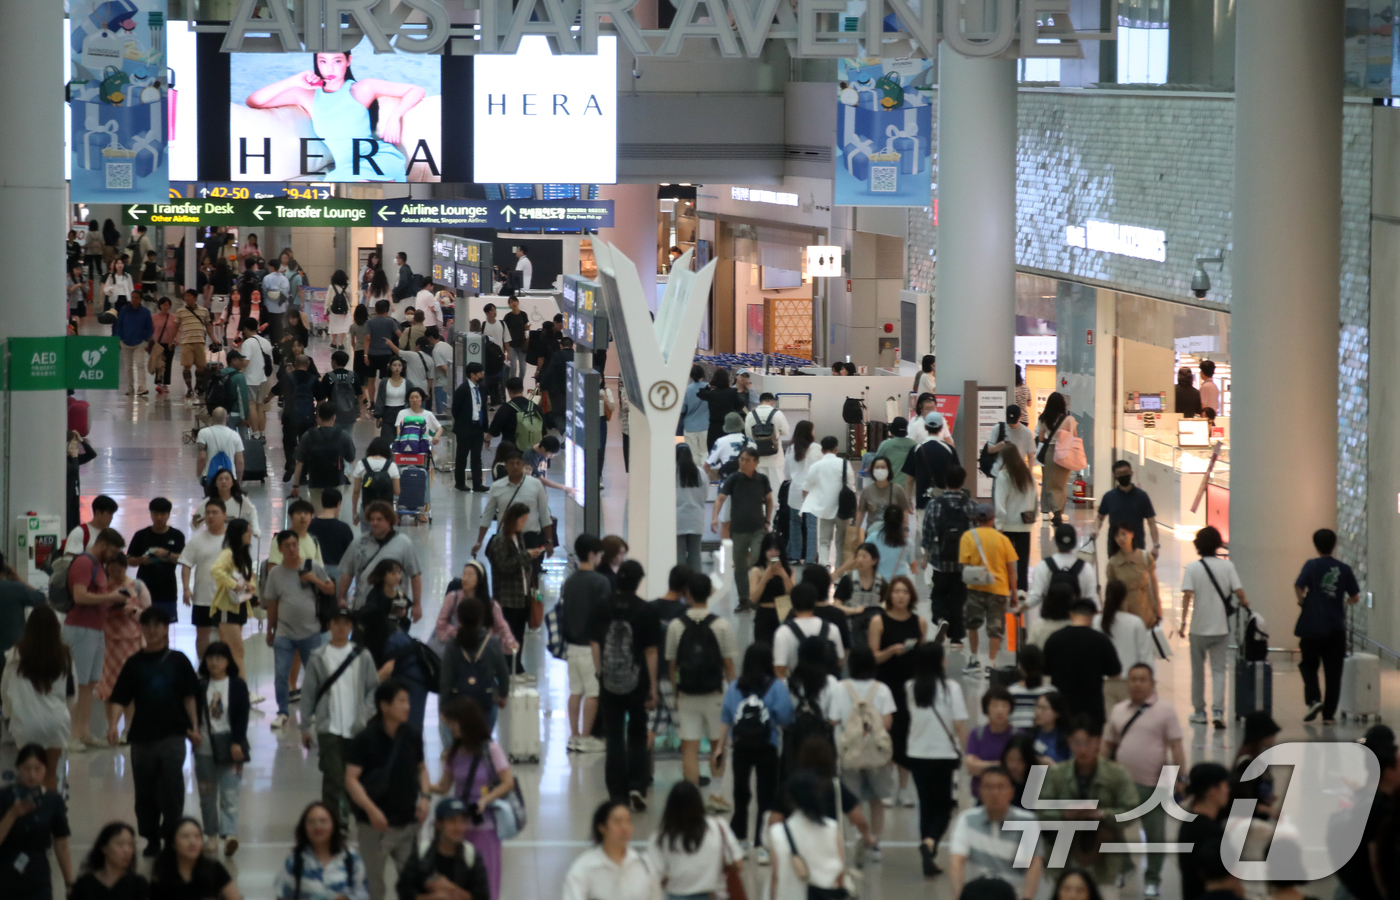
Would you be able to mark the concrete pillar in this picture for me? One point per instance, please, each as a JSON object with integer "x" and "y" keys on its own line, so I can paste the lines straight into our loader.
{"x": 32, "y": 223}
{"x": 416, "y": 242}
{"x": 1286, "y": 270}
{"x": 634, "y": 230}
{"x": 975, "y": 283}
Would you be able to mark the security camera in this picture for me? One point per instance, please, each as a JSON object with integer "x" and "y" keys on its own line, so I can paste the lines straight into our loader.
{"x": 1200, "y": 282}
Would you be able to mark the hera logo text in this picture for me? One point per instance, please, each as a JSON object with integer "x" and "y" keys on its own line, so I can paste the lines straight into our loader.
{"x": 542, "y": 105}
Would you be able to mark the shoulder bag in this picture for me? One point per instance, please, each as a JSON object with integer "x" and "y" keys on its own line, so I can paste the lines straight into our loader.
{"x": 799, "y": 866}
{"x": 952, "y": 735}
{"x": 978, "y": 576}
{"x": 1069, "y": 450}
{"x": 1045, "y": 445}
{"x": 1224, "y": 597}
{"x": 509, "y": 810}
{"x": 729, "y": 874}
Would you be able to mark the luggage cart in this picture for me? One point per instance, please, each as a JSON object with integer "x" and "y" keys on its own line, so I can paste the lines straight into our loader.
{"x": 413, "y": 456}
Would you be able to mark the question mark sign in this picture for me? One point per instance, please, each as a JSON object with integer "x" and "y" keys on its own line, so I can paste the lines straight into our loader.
{"x": 663, "y": 395}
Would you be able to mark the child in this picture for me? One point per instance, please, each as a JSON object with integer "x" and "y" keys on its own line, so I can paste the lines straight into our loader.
{"x": 221, "y": 705}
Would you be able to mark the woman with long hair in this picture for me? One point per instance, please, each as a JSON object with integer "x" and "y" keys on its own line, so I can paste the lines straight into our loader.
{"x": 27, "y": 834}
{"x": 236, "y": 583}
{"x": 345, "y": 113}
{"x": 924, "y": 381}
{"x": 892, "y": 535}
{"x": 109, "y": 871}
{"x": 474, "y": 651}
{"x": 237, "y": 504}
{"x": 1054, "y": 422}
{"x": 894, "y": 635}
{"x": 1130, "y": 637}
{"x": 297, "y": 327}
{"x": 611, "y": 868}
{"x": 221, "y": 708}
{"x": 614, "y": 554}
{"x": 367, "y": 273}
{"x": 391, "y": 399}
{"x": 690, "y": 851}
{"x": 812, "y": 834}
{"x": 117, "y": 290}
{"x": 474, "y": 583}
{"x": 321, "y": 866}
{"x": 692, "y": 491}
{"x": 121, "y": 631}
{"x": 1030, "y": 663}
{"x": 1054, "y": 614}
{"x": 182, "y": 870}
{"x": 39, "y": 689}
{"x": 1137, "y": 569}
{"x": 723, "y": 400}
{"x": 770, "y": 577}
{"x": 937, "y": 732}
{"x": 1049, "y": 726}
{"x": 476, "y": 770}
{"x": 358, "y": 331}
{"x": 802, "y": 532}
{"x": 338, "y": 324}
{"x": 514, "y": 566}
{"x": 1013, "y": 492}
{"x": 381, "y": 627}
{"x": 756, "y": 691}
{"x": 860, "y": 589}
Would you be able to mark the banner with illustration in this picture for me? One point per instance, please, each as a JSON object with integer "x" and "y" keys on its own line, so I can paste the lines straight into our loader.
{"x": 117, "y": 96}
{"x": 884, "y": 128}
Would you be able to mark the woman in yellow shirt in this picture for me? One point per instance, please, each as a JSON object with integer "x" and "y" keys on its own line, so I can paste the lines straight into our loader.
{"x": 237, "y": 589}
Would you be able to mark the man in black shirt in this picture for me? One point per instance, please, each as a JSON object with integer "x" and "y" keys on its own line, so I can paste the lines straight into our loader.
{"x": 162, "y": 684}
{"x": 751, "y": 509}
{"x": 1128, "y": 504}
{"x": 579, "y": 598}
{"x": 156, "y": 550}
{"x": 387, "y": 784}
{"x": 321, "y": 455}
{"x": 518, "y": 324}
{"x": 1078, "y": 658}
{"x": 1362, "y": 878}
{"x": 334, "y": 536}
{"x": 627, "y": 683}
{"x": 448, "y": 858}
{"x": 926, "y": 467}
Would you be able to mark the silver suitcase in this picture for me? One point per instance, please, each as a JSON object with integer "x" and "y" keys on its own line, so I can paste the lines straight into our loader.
{"x": 1361, "y": 687}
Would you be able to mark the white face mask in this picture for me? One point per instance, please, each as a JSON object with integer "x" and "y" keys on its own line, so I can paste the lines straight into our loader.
{"x": 881, "y": 474}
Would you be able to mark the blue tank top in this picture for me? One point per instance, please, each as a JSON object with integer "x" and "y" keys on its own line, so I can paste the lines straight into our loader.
{"x": 339, "y": 119}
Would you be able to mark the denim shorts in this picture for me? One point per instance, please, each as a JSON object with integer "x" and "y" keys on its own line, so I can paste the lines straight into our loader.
{"x": 87, "y": 645}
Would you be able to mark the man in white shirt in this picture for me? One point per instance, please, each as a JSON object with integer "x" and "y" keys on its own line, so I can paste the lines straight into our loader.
{"x": 257, "y": 350}
{"x": 441, "y": 353}
{"x": 524, "y": 267}
{"x": 770, "y": 449}
{"x": 825, "y": 479}
{"x": 339, "y": 707}
{"x": 918, "y": 428}
{"x": 215, "y": 439}
{"x": 1065, "y": 559}
{"x": 103, "y": 509}
{"x": 276, "y": 294}
{"x": 1219, "y": 589}
{"x": 198, "y": 558}
{"x": 805, "y": 623}
{"x": 728, "y": 447}
{"x": 494, "y": 328}
{"x": 429, "y": 305}
{"x": 1013, "y": 432}
{"x": 1210, "y": 391}
{"x": 982, "y": 847}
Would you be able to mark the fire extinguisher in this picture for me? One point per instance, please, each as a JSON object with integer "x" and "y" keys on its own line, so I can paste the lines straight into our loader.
{"x": 1081, "y": 490}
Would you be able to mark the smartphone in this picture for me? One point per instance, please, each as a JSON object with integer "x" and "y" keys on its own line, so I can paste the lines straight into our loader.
{"x": 910, "y": 645}
{"x": 306, "y": 565}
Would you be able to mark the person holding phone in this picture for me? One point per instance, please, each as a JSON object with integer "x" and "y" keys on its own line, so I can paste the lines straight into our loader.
{"x": 121, "y": 632}
{"x": 894, "y": 633}
{"x": 293, "y": 626}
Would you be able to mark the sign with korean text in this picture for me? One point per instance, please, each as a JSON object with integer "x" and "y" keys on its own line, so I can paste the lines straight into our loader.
{"x": 64, "y": 363}
{"x": 566, "y": 215}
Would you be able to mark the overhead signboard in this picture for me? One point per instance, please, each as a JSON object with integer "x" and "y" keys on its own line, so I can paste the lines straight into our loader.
{"x": 567, "y": 215}
{"x": 249, "y": 190}
{"x": 545, "y": 118}
{"x": 249, "y": 212}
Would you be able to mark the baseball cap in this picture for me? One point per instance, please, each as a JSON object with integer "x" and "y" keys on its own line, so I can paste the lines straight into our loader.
{"x": 448, "y": 808}
{"x": 234, "y": 354}
{"x": 1065, "y": 537}
{"x": 934, "y": 420}
{"x": 899, "y": 427}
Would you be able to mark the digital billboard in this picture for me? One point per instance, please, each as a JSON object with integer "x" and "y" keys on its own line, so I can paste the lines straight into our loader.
{"x": 356, "y": 116}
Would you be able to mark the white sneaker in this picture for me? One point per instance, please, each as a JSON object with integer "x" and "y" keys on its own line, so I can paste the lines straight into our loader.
{"x": 591, "y": 745}
{"x": 1151, "y": 891}
{"x": 278, "y": 722}
{"x": 1199, "y": 719}
{"x": 909, "y": 797}
{"x": 255, "y": 699}
{"x": 973, "y": 667}
{"x": 573, "y": 744}
{"x": 760, "y": 856}
{"x": 76, "y": 746}
{"x": 746, "y": 846}
{"x": 892, "y": 801}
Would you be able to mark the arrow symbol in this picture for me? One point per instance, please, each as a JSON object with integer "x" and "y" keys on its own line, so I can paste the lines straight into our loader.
{"x": 204, "y": 192}
{"x": 508, "y": 210}
{"x": 386, "y": 212}
{"x": 136, "y": 212}
{"x": 260, "y": 212}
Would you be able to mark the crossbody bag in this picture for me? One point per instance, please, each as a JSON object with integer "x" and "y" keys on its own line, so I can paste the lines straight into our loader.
{"x": 978, "y": 576}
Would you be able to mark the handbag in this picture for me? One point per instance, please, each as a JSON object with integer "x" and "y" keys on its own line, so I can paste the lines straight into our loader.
{"x": 1160, "y": 641}
{"x": 536, "y": 613}
{"x": 221, "y": 748}
{"x": 1069, "y": 451}
{"x": 554, "y": 635}
{"x": 978, "y": 576}
{"x": 508, "y": 810}
{"x": 1044, "y": 451}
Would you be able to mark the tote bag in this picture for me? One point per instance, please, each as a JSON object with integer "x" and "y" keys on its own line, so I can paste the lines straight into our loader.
{"x": 1069, "y": 448}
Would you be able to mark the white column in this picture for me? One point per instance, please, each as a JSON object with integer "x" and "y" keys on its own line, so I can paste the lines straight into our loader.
{"x": 634, "y": 229}
{"x": 32, "y": 222}
{"x": 975, "y": 284}
{"x": 1286, "y": 272}
{"x": 416, "y": 242}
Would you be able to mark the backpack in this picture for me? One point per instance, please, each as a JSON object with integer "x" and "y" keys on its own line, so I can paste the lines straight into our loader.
{"x": 529, "y": 425}
{"x": 339, "y": 305}
{"x": 752, "y": 729}
{"x": 217, "y": 464}
{"x": 343, "y": 394}
{"x": 493, "y": 357}
{"x": 60, "y": 596}
{"x": 473, "y": 679}
{"x": 619, "y": 673}
{"x": 1068, "y": 577}
{"x": 863, "y": 743}
{"x": 846, "y": 499}
{"x": 853, "y": 411}
{"x": 987, "y": 459}
{"x": 699, "y": 665}
{"x": 304, "y": 401}
{"x": 829, "y": 658}
{"x": 220, "y": 393}
{"x": 765, "y": 440}
{"x": 807, "y": 721}
{"x": 376, "y": 484}
{"x": 323, "y": 464}
{"x": 950, "y": 522}
{"x": 1256, "y": 641}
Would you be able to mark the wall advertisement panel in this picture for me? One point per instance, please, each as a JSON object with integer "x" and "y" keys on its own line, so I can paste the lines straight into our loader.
{"x": 884, "y": 126}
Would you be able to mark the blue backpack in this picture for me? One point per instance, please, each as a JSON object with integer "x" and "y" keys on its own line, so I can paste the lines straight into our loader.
{"x": 217, "y": 463}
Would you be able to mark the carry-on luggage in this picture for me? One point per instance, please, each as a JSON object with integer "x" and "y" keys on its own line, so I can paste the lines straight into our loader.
{"x": 413, "y": 492}
{"x": 254, "y": 458}
{"x": 1254, "y": 687}
{"x": 1361, "y": 687}
{"x": 523, "y": 724}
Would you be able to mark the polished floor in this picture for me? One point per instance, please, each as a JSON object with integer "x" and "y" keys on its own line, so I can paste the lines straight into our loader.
{"x": 141, "y": 455}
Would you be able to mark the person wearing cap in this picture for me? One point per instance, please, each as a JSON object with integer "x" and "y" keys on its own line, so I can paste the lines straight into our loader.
{"x": 445, "y": 856}
{"x": 1015, "y": 433}
{"x": 1065, "y": 563}
{"x": 337, "y": 697}
{"x": 986, "y": 604}
{"x": 1372, "y": 866}
{"x": 726, "y": 449}
{"x": 1260, "y": 733}
{"x": 925, "y": 470}
{"x": 237, "y": 362}
{"x": 898, "y": 445}
{"x": 1208, "y": 797}
{"x": 744, "y": 386}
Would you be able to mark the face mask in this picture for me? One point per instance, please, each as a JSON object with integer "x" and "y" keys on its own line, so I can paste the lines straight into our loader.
{"x": 881, "y": 474}
{"x": 1125, "y": 480}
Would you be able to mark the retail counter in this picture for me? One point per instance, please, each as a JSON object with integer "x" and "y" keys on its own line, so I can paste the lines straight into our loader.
{"x": 821, "y": 397}
{"x": 1173, "y": 475}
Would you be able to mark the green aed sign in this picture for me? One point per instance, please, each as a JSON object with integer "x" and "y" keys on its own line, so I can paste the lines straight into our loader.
{"x": 62, "y": 363}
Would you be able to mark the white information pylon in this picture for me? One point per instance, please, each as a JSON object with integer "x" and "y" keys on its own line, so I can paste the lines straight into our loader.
{"x": 655, "y": 357}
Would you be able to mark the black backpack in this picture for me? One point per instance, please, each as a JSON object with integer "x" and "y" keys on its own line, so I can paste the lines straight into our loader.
{"x": 950, "y": 522}
{"x": 986, "y": 459}
{"x": 807, "y": 721}
{"x": 853, "y": 411}
{"x": 303, "y": 401}
{"x": 764, "y": 437}
{"x": 343, "y": 394}
{"x": 376, "y": 485}
{"x": 1068, "y": 577}
{"x": 494, "y": 358}
{"x": 473, "y": 678}
{"x": 221, "y": 393}
{"x": 340, "y": 306}
{"x": 323, "y": 463}
{"x": 731, "y": 465}
{"x": 752, "y": 726}
{"x": 699, "y": 665}
{"x": 846, "y": 500}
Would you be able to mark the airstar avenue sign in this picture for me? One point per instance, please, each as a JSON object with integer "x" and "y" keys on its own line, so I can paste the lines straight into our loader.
{"x": 818, "y": 28}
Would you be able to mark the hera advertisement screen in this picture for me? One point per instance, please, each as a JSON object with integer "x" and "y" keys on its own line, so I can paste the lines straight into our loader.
{"x": 347, "y": 117}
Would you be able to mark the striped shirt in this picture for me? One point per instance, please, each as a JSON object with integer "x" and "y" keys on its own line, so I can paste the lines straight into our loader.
{"x": 989, "y": 850}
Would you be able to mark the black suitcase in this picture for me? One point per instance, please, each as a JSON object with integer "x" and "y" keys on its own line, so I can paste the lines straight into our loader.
{"x": 1254, "y": 687}
{"x": 254, "y": 458}
{"x": 1006, "y": 676}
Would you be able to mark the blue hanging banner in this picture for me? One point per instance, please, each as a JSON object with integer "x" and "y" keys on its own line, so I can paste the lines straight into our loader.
{"x": 884, "y": 128}
{"x": 117, "y": 96}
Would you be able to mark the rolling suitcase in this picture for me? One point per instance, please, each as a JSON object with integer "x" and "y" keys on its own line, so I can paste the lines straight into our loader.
{"x": 413, "y": 491}
{"x": 254, "y": 458}
{"x": 523, "y": 724}
{"x": 1361, "y": 687}
{"x": 1254, "y": 687}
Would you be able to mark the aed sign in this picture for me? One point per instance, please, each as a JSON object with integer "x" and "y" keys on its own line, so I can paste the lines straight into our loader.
{"x": 545, "y": 118}
{"x": 64, "y": 363}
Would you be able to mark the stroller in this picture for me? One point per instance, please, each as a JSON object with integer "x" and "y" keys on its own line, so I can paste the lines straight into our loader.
{"x": 413, "y": 455}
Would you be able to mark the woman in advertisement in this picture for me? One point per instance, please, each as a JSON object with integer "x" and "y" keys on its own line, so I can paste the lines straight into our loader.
{"x": 342, "y": 110}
